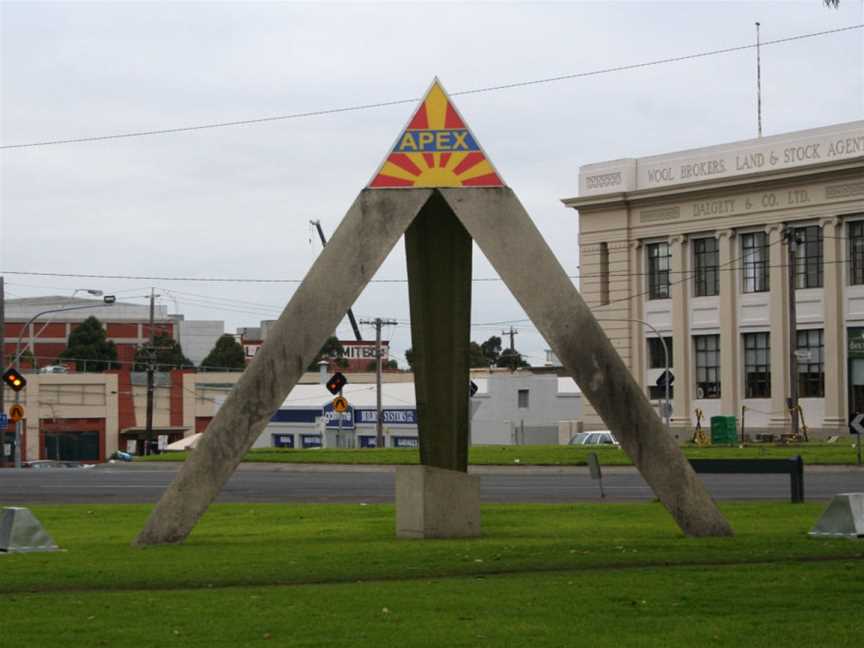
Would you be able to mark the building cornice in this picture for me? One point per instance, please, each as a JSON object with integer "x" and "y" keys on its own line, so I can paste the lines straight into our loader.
{"x": 765, "y": 180}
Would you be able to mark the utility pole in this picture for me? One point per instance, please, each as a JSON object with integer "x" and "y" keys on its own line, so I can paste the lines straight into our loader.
{"x": 317, "y": 224}
{"x": 512, "y": 332}
{"x": 792, "y": 243}
{"x": 151, "y": 368}
{"x": 379, "y": 418}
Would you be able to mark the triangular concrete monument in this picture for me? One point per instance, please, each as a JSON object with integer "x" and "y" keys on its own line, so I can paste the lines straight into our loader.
{"x": 21, "y": 532}
{"x": 844, "y": 518}
{"x": 440, "y": 196}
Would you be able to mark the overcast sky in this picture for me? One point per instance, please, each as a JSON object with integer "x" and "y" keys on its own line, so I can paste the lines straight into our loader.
{"x": 236, "y": 202}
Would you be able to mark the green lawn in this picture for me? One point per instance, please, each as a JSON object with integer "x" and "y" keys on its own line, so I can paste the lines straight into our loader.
{"x": 544, "y": 575}
{"x": 839, "y": 453}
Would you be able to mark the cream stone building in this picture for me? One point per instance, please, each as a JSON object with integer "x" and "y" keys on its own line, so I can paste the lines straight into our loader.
{"x": 692, "y": 243}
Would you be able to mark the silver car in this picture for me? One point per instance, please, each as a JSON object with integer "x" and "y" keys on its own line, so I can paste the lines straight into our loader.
{"x": 598, "y": 437}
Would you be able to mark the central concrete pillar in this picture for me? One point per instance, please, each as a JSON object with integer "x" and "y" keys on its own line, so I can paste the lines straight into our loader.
{"x": 438, "y": 251}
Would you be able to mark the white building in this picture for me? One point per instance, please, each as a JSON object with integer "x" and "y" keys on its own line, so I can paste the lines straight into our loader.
{"x": 520, "y": 408}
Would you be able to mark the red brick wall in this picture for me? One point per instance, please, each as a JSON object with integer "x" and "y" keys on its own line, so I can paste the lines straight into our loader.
{"x": 54, "y": 330}
{"x": 125, "y": 401}
{"x": 118, "y": 330}
{"x": 13, "y": 329}
{"x": 159, "y": 328}
{"x": 176, "y": 402}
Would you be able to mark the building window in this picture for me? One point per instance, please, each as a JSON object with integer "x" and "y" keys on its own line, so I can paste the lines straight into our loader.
{"x": 811, "y": 369}
{"x": 754, "y": 253}
{"x": 522, "y": 398}
{"x": 659, "y": 256}
{"x": 757, "y": 365}
{"x": 856, "y": 253}
{"x": 604, "y": 274}
{"x": 707, "y": 366}
{"x": 706, "y": 258}
{"x": 808, "y": 257}
{"x": 656, "y": 359}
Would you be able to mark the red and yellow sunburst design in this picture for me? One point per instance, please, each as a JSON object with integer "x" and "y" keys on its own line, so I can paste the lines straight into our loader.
{"x": 437, "y": 149}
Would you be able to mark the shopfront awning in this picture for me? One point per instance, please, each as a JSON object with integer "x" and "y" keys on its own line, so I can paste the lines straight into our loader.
{"x": 140, "y": 431}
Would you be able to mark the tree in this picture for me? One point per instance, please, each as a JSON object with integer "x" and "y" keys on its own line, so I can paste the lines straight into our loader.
{"x": 167, "y": 352}
{"x": 476, "y": 357}
{"x": 511, "y": 359}
{"x": 89, "y": 347}
{"x": 226, "y": 354}
{"x": 332, "y": 351}
{"x": 479, "y": 355}
{"x": 492, "y": 350}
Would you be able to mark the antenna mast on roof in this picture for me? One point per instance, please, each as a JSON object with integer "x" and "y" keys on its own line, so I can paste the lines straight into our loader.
{"x": 758, "y": 82}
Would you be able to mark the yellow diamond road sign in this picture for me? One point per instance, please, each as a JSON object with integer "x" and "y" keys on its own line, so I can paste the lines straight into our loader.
{"x": 16, "y": 413}
{"x": 340, "y": 404}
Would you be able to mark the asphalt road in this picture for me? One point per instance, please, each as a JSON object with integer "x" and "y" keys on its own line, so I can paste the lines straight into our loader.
{"x": 144, "y": 483}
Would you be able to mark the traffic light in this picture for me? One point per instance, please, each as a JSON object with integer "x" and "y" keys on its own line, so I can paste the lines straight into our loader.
{"x": 336, "y": 383}
{"x": 14, "y": 379}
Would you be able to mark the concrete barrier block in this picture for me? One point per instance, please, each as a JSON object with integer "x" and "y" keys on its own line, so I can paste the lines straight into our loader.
{"x": 844, "y": 518}
{"x": 21, "y": 532}
{"x": 436, "y": 503}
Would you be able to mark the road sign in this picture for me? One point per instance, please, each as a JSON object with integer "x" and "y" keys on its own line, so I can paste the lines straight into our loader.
{"x": 472, "y": 387}
{"x": 336, "y": 383}
{"x": 856, "y": 425}
{"x": 4, "y": 420}
{"x": 16, "y": 413}
{"x": 664, "y": 377}
{"x": 340, "y": 404}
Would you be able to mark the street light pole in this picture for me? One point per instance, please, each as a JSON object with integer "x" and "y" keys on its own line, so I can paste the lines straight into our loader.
{"x": 107, "y": 301}
{"x": 667, "y": 413}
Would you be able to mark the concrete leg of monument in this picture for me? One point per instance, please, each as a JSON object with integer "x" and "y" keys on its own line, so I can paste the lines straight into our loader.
{"x": 506, "y": 235}
{"x": 371, "y": 228}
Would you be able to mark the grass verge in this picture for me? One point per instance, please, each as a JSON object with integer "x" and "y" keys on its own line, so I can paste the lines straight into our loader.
{"x": 544, "y": 575}
{"x": 813, "y": 454}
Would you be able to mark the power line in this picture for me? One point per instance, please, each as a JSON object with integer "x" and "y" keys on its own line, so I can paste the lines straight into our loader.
{"x": 396, "y": 102}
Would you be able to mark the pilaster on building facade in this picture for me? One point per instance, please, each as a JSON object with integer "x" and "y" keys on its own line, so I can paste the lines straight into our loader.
{"x": 703, "y": 235}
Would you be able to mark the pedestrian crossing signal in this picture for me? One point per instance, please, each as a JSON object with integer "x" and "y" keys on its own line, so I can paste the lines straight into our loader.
{"x": 336, "y": 383}
{"x": 14, "y": 379}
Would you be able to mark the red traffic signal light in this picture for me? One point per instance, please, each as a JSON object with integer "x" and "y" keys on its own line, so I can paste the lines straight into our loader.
{"x": 14, "y": 379}
{"x": 336, "y": 383}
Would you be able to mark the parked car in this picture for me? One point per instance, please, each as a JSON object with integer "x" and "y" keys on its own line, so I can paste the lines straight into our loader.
{"x": 597, "y": 437}
{"x": 43, "y": 464}
{"x": 53, "y": 369}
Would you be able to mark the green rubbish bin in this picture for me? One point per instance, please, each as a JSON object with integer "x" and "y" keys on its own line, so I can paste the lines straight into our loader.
{"x": 724, "y": 429}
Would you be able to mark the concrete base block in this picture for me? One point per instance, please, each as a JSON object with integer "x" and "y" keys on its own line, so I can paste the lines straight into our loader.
{"x": 844, "y": 518}
{"x": 436, "y": 503}
{"x": 21, "y": 532}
